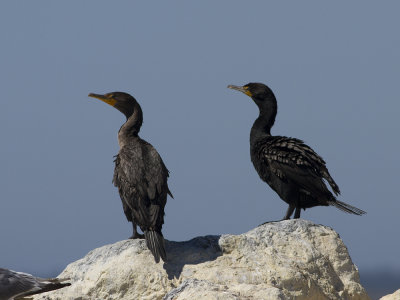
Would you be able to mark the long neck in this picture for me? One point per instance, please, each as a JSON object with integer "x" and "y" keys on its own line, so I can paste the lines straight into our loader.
{"x": 262, "y": 125}
{"x": 130, "y": 129}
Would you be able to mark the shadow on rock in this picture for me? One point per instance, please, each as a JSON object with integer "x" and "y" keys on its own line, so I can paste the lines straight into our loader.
{"x": 195, "y": 251}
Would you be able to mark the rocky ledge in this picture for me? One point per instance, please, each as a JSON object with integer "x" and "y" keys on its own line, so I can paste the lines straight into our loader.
{"x": 294, "y": 259}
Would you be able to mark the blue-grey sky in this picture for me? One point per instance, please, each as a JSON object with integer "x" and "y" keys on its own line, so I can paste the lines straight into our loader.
{"x": 334, "y": 68}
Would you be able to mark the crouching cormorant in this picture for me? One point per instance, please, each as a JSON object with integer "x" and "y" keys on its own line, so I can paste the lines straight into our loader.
{"x": 290, "y": 167}
{"x": 140, "y": 175}
{"x": 17, "y": 285}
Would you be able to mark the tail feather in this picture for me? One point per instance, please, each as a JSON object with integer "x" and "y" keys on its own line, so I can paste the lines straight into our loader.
{"x": 155, "y": 243}
{"x": 347, "y": 207}
{"x": 332, "y": 183}
{"x": 54, "y": 284}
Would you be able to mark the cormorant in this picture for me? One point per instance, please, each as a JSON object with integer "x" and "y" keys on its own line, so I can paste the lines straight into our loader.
{"x": 140, "y": 175}
{"x": 16, "y": 285}
{"x": 290, "y": 167}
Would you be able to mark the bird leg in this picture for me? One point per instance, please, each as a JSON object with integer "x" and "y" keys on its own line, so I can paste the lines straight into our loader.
{"x": 297, "y": 212}
{"x": 297, "y": 205}
{"x": 135, "y": 234}
{"x": 289, "y": 212}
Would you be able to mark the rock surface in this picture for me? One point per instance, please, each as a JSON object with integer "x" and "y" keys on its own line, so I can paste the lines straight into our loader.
{"x": 394, "y": 296}
{"x": 293, "y": 259}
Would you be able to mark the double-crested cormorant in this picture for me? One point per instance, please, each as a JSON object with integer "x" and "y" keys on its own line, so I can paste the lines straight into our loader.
{"x": 140, "y": 175}
{"x": 16, "y": 285}
{"x": 290, "y": 167}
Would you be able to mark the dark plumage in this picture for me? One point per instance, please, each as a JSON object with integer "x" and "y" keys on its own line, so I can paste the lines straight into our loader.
{"x": 140, "y": 175}
{"x": 290, "y": 167}
{"x": 16, "y": 285}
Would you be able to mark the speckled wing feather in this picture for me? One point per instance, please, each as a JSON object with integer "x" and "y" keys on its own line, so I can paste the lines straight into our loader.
{"x": 290, "y": 158}
{"x": 141, "y": 178}
{"x": 16, "y": 284}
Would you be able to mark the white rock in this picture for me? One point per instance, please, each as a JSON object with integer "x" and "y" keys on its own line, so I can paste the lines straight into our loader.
{"x": 294, "y": 259}
{"x": 394, "y": 296}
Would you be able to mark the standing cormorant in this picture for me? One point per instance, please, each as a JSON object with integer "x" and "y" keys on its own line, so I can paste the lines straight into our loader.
{"x": 290, "y": 167}
{"x": 140, "y": 175}
{"x": 18, "y": 285}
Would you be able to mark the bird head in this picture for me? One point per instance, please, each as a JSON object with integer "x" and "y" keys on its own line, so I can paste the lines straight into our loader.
{"x": 259, "y": 92}
{"x": 124, "y": 102}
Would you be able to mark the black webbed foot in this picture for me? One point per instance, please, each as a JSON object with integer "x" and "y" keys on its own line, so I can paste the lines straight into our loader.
{"x": 136, "y": 236}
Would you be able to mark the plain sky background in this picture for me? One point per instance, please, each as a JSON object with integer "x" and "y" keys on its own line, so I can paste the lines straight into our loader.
{"x": 334, "y": 68}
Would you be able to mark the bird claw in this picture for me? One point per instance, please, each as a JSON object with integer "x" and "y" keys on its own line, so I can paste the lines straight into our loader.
{"x": 137, "y": 236}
